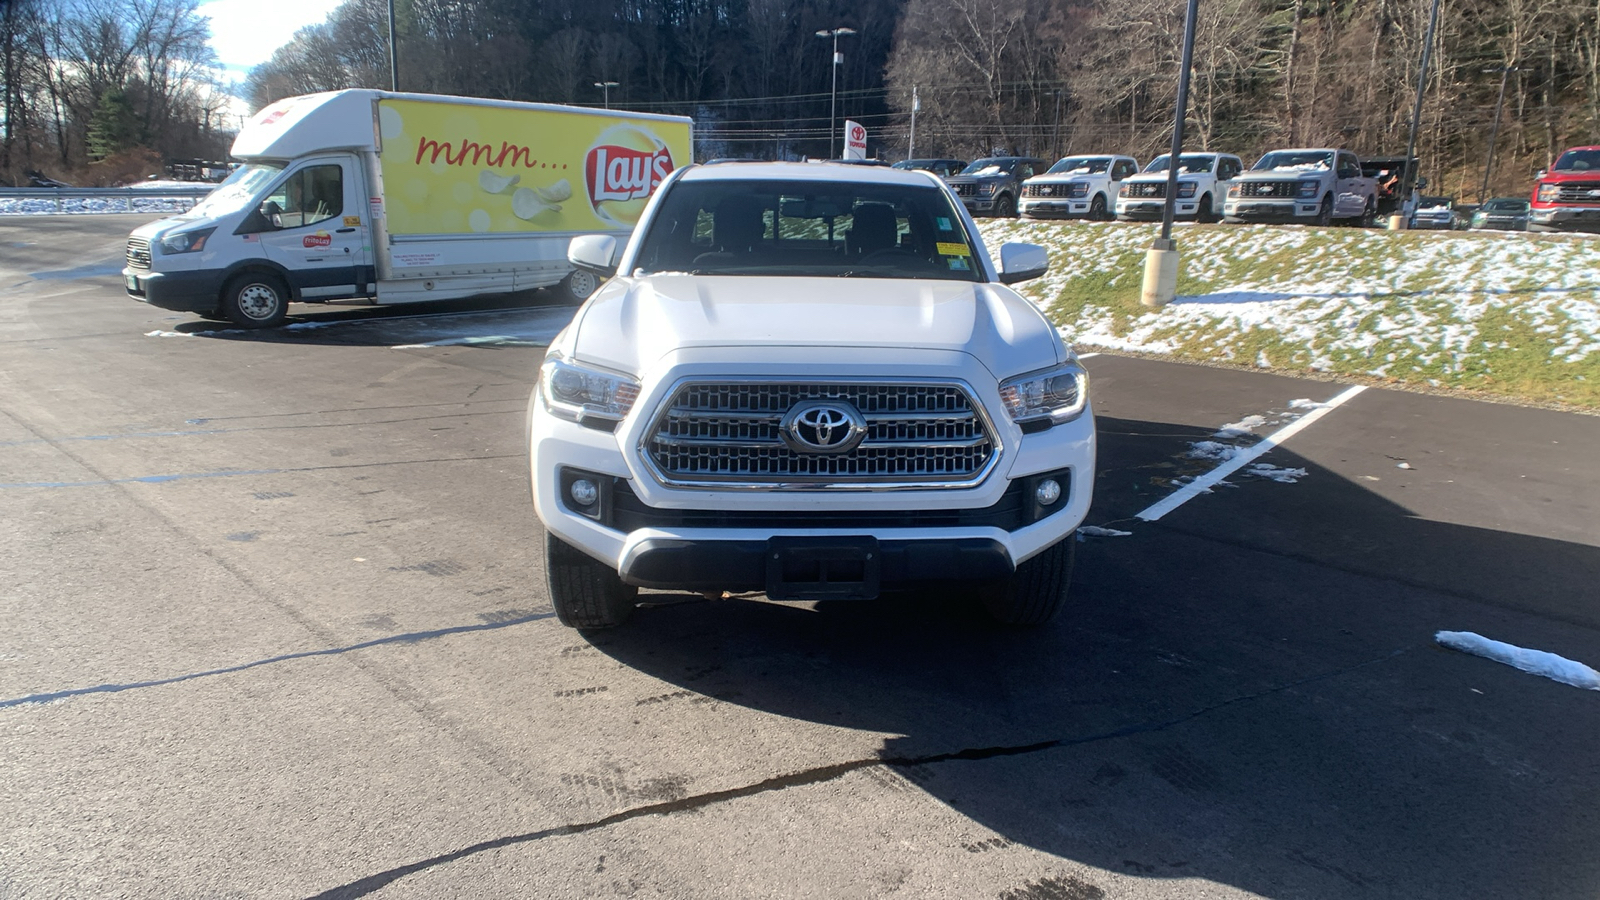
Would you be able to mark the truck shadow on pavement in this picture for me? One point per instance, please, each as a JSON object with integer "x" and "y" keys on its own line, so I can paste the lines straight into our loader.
{"x": 527, "y": 319}
{"x": 1237, "y": 696}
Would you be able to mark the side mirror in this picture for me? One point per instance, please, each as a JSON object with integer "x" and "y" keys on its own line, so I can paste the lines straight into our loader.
{"x": 1020, "y": 262}
{"x": 1422, "y": 183}
{"x": 594, "y": 252}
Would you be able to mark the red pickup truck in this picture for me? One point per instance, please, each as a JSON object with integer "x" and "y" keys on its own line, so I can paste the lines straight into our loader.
{"x": 1567, "y": 198}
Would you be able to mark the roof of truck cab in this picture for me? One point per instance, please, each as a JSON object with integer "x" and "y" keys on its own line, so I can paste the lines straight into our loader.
{"x": 790, "y": 171}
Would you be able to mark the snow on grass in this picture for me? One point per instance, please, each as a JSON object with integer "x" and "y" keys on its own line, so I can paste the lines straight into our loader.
{"x": 46, "y": 206}
{"x": 1507, "y": 312}
{"x": 1536, "y": 662}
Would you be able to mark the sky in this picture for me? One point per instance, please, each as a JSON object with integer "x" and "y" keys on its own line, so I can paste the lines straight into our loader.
{"x": 245, "y": 32}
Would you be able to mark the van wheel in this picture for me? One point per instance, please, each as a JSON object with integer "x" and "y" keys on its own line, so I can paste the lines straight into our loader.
{"x": 585, "y": 592}
{"x": 1097, "y": 208}
{"x": 256, "y": 300}
{"x": 1037, "y": 590}
{"x": 579, "y": 284}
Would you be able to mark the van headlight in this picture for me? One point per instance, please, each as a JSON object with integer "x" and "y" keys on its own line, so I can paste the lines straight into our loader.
{"x": 1055, "y": 395}
{"x": 185, "y": 241}
{"x": 577, "y": 392}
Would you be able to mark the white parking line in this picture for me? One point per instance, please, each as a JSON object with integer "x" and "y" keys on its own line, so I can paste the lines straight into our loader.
{"x": 1243, "y": 458}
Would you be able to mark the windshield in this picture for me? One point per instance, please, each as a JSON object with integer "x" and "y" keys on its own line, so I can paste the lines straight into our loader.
{"x": 1188, "y": 164}
{"x": 1579, "y": 160}
{"x": 807, "y": 228}
{"x": 1081, "y": 165}
{"x": 238, "y": 191}
{"x": 1296, "y": 161}
{"x": 989, "y": 167}
{"x": 1433, "y": 202}
{"x": 1507, "y": 205}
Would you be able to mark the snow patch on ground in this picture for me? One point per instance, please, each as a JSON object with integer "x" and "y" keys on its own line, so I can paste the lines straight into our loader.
{"x": 1535, "y": 662}
{"x": 1098, "y": 531}
{"x": 1212, "y": 450}
{"x": 1276, "y": 473}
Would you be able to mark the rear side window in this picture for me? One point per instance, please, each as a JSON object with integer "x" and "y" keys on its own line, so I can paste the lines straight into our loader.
{"x": 808, "y": 228}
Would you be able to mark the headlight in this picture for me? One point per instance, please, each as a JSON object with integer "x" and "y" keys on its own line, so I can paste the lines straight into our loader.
{"x": 1233, "y": 190}
{"x": 578, "y": 393}
{"x": 1549, "y": 192}
{"x": 1308, "y": 189}
{"x": 1057, "y": 395}
{"x": 186, "y": 241}
{"x": 1186, "y": 189}
{"x": 1123, "y": 191}
{"x": 986, "y": 188}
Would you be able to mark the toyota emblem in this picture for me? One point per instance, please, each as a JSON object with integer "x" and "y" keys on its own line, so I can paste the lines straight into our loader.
{"x": 823, "y": 426}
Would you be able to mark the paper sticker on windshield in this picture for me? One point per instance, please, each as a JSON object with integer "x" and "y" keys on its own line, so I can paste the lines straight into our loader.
{"x": 946, "y": 249}
{"x": 957, "y": 263}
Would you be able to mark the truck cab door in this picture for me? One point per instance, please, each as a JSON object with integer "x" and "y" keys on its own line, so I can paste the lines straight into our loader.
{"x": 312, "y": 224}
{"x": 1348, "y": 200}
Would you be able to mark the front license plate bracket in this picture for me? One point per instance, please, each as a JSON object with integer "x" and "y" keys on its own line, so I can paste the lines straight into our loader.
{"x": 823, "y": 568}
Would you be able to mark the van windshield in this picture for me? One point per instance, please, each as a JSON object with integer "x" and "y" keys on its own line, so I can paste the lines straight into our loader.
{"x": 845, "y": 229}
{"x": 238, "y": 191}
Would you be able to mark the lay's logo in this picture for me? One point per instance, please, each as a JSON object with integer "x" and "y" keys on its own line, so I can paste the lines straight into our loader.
{"x": 318, "y": 240}
{"x": 622, "y": 173}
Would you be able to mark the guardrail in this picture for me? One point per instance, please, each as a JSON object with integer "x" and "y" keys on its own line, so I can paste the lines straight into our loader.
{"x": 65, "y": 199}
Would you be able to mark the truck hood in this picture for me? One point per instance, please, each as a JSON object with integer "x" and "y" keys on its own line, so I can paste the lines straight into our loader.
{"x": 633, "y": 322}
{"x": 1275, "y": 175}
{"x": 152, "y": 231}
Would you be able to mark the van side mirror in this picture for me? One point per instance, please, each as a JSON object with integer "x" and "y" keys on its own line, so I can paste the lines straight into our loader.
{"x": 1021, "y": 262}
{"x": 594, "y": 252}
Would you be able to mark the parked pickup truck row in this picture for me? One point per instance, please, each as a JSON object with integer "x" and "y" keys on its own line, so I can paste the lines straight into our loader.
{"x": 1312, "y": 186}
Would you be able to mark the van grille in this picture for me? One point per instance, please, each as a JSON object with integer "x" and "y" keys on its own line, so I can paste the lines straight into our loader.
{"x": 728, "y": 434}
{"x": 138, "y": 253}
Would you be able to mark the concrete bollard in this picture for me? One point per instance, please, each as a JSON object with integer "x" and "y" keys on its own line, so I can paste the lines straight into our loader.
{"x": 1160, "y": 273}
{"x": 1397, "y": 223}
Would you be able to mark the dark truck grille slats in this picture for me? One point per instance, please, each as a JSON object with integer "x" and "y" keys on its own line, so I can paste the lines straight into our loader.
{"x": 138, "y": 253}
{"x": 1267, "y": 188}
{"x": 728, "y": 434}
{"x": 1146, "y": 189}
{"x": 965, "y": 189}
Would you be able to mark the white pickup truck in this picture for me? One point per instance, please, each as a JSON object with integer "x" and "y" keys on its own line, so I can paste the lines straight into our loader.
{"x": 812, "y": 381}
{"x": 1077, "y": 187}
{"x": 1308, "y": 186}
{"x": 1203, "y": 180}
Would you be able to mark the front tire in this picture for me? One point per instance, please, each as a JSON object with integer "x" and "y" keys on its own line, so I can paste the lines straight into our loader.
{"x": 585, "y": 592}
{"x": 1097, "y": 208}
{"x": 1207, "y": 214}
{"x": 1005, "y": 207}
{"x": 1037, "y": 590}
{"x": 256, "y": 300}
{"x": 1325, "y": 211}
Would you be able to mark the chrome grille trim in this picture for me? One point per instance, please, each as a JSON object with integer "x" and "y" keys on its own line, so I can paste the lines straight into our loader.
{"x": 1146, "y": 189}
{"x": 138, "y": 253}
{"x": 921, "y": 435}
{"x": 1578, "y": 192}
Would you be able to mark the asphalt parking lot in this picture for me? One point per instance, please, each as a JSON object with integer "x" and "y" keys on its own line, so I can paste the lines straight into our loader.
{"x": 275, "y": 626}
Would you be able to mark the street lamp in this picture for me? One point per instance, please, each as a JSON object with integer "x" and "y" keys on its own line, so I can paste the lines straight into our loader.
{"x": 1408, "y": 175}
{"x": 833, "y": 102}
{"x": 1161, "y": 260}
{"x": 606, "y": 86}
{"x": 394, "y": 54}
{"x": 1505, "y": 72}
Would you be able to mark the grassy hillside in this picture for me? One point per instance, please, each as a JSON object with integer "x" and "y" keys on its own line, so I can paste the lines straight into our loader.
{"x": 1511, "y": 314}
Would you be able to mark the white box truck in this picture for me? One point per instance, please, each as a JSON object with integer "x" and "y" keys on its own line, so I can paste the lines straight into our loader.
{"x": 381, "y": 197}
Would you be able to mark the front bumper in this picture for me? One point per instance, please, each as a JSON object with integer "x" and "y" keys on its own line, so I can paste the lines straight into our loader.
{"x": 1153, "y": 210}
{"x": 706, "y": 539}
{"x": 1566, "y": 218}
{"x": 1270, "y": 211}
{"x": 1054, "y": 209}
{"x": 194, "y": 291}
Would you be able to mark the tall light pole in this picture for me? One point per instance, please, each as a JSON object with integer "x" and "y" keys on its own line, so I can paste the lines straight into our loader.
{"x": 1408, "y": 174}
{"x": 916, "y": 106}
{"x": 1055, "y": 139}
{"x": 1505, "y": 72}
{"x": 394, "y": 54}
{"x": 606, "y": 86}
{"x": 1161, "y": 260}
{"x": 833, "y": 102}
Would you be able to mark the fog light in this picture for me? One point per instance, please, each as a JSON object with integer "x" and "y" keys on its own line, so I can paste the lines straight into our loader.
{"x": 1048, "y": 492}
{"x": 584, "y": 492}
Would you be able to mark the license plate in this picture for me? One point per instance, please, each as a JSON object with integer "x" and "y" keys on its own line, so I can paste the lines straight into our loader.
{"x": 133, "y": 283}
{"x": 823, "y": 568}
